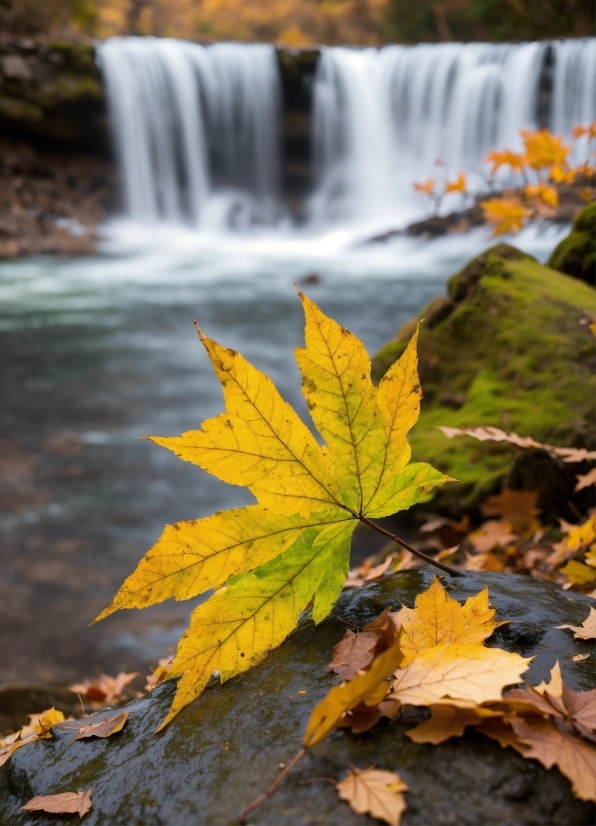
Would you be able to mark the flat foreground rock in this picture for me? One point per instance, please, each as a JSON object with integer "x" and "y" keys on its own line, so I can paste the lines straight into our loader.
{"x": 224, "y": 749}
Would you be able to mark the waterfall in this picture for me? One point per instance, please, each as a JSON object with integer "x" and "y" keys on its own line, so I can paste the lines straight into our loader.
{"x": 383, "y": 117}
{"x": 196, "y": 129}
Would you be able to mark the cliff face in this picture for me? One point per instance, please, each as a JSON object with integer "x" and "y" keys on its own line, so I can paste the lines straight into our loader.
{"x": 52, "y": 93}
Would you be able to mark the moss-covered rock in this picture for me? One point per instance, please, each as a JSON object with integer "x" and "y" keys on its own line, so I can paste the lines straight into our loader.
{"x": 224, "y": 749}
{"x": 576, "y": 254}
{"x": 509, "y": 351}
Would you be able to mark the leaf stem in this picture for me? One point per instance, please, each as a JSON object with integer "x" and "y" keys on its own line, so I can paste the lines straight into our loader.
{"x": 272, "y": 787}
{"x": 447, "y": 568}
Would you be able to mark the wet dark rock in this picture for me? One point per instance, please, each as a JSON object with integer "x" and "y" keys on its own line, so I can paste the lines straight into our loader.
{"x": 19, "y": 700}
{"x": 225, "y": 748}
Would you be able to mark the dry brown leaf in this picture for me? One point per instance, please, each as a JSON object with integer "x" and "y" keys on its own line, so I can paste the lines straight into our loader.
{"x": 586, "y": 480}
{"x": 438, "y": 619}
{"x": 575, "y": 757}
{"x": 104, "y": 689}
{"x": 482, "y": 562}
{"x": 65, "y": 803}
{"x": 497, "y": 729}
{"x": 447, "y": 721}
{"x": 159, "y": 674}
{"x": 496, "y": 533}
{"x": 353, "y": 653}
{"x": 585, "y": 631}
{"x": 494, "y": 434}
{"x": 374, "y": 792}
{"x": 105, "y": 727}
{"x": 369, "y": 686}
{"x": 517, "y": 507}
{"x": 368, "y": 571}
{"x": 577, "y": 708}
{"x": 461, "y": 671}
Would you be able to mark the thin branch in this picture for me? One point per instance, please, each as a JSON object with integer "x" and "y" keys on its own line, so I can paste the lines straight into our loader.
{"x": 447, "y": 568}
{"x": 272, "y": 787}
{"x": 310, "y": 780}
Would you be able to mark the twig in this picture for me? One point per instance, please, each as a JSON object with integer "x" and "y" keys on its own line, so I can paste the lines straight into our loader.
{"x": 310, "y": 780}
{"x": 272, "y": 787}
{"x": 447, "y": 568}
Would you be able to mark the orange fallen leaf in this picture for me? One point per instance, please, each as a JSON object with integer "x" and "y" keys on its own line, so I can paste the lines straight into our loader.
{"x": 354, "y": 652}
{"x": 547, "y": 744}
{"x": 586, "y": 480}
{"x": 374, "y": 792}
{"x": 58, "y": 804}
{"x": 104, "y": 728}
{"x": 438, "y": 619}
{"x": 369, "y": 686}
{"x": 578, "y": 657}
{"x": 555, "y": 684}
{"x": 496, "y": 533}
{"x": 461, "y": 671}
{"x": 368, "y": 571}
{"x": 585, "y": 631}
{"x": 516, "y": 506}
{"x": 159, "y": 674}
{"x": 104, "y": 689}
{"x": 448, "y": 720}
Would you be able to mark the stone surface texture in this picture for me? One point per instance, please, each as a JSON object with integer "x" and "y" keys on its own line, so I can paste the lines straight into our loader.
{"x": 224, "y": 749}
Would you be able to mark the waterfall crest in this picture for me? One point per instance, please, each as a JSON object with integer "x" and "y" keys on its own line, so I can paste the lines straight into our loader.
{"x": 196, "y": 129}
{"x": 382, "y": 117}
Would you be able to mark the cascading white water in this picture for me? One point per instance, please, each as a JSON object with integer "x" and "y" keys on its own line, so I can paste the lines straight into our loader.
{"x": 383, "y": 117}
{"x": 196, "y": 128}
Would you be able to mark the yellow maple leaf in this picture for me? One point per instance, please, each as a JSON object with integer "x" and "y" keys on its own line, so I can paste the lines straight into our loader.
{"x": 581, "y": 535}
{"x": 508, "y": 215}
{"x": 544, "y": 149}
{"x": 461, "y": 671}
{"x": 374, "y": 792}
{"x": 270, "y": 560}
{"x": 438, "y": 619}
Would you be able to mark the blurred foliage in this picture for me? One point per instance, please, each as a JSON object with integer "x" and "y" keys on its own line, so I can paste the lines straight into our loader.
{"x": 299, "y": 22}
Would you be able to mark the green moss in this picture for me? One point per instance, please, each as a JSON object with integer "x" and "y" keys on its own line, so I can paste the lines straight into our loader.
{"x": 511, "y": 354}
{"x": 576, "y": 254}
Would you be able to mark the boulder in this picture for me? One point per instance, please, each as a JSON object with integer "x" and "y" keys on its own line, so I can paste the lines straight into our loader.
{"x": 509, "y": 347}
{"x": 576, "y": 254}
{"x": 225, "y": 748}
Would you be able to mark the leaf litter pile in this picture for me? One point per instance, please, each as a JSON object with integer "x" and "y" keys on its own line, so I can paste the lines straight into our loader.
{"x": 268, "y": 563}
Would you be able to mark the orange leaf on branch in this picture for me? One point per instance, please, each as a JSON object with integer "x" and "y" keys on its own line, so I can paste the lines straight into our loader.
{"x": 507, "y": 214}
{"x": 506, "y": 157}
{"x": 458, "y": 185}
{"x": 544, "y": 149}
